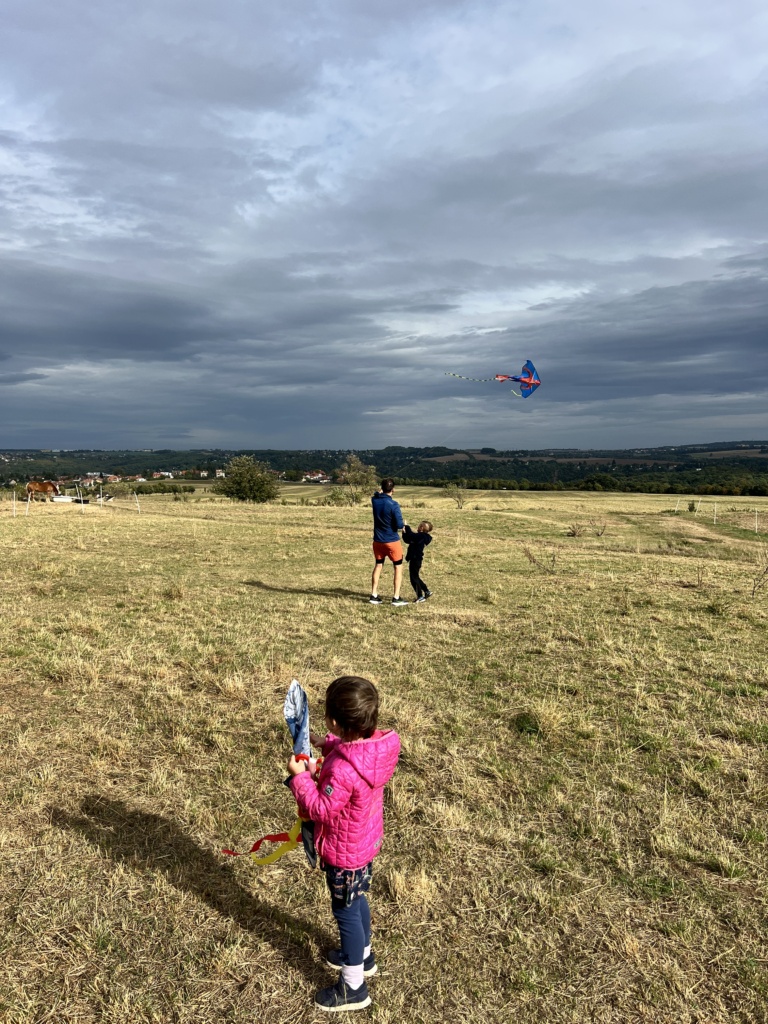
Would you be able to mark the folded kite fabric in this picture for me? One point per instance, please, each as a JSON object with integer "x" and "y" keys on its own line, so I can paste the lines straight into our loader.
{"x": 296, "y": 712}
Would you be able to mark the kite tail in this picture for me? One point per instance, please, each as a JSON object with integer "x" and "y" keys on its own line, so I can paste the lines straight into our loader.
{"x": 478, "y": 380}
{"x": 288, "y": 841}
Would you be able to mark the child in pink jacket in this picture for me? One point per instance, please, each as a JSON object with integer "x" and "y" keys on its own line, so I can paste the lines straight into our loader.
{"x": 346, "y": 804}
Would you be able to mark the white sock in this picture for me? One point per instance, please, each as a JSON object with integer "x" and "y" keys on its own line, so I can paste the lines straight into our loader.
{"x": 353, "y": 975}
{"x": 367, "y": 951}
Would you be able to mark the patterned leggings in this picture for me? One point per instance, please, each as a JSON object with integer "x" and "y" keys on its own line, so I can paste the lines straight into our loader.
{"x": 351, "y": 910}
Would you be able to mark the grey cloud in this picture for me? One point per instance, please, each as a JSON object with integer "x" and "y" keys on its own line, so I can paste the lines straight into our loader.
{"x": 252, "y": 224}
{"x": 9, "y": 379}
{"x": 60, "y": 315}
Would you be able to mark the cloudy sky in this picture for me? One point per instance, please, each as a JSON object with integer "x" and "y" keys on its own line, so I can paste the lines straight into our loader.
{"x": 250, "y": 224}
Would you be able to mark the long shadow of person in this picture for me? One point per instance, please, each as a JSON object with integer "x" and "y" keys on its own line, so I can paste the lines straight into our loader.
{"x": 150, "y": 842}
{"x": 319, "y": 591}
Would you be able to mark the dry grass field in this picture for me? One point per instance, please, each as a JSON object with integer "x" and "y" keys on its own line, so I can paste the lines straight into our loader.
{"x": 577, "y": 829}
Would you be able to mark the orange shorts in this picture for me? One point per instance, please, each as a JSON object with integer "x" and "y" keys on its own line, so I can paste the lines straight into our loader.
{"x": 393, "y": 551}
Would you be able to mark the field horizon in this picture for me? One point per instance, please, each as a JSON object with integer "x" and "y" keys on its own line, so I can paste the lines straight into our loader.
{"x": 576, "y": 830}
{"x": 716, "y": 468}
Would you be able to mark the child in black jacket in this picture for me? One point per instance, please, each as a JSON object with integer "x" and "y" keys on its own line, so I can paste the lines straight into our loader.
{"x": 416, "y": 543}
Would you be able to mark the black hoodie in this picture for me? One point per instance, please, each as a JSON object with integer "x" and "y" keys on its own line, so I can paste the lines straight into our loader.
{"x": 416, "y": 543}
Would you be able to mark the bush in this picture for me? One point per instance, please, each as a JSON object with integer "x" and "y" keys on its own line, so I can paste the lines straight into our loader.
{"x": 248, "y": 480}
{"x": 341, "y": 496}
{"x": 456, "y": 492}
{"x": 359, "y": 478}
{"x": 162, "y": 487}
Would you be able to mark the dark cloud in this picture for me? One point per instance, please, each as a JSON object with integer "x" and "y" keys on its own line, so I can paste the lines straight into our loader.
{"x": 59, "y": 316}
{"x": 8, "y": 379}
{"x": 250, "y": 224}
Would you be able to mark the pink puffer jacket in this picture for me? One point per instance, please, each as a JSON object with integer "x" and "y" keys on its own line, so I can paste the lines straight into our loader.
{"x": 347, "y": 801}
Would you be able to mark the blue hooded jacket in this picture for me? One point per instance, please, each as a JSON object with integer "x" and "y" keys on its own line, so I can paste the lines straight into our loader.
{"x": 387, "y": 518}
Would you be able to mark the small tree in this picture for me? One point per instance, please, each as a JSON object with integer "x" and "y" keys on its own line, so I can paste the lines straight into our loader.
{"x": 339, "y": 496}
{"x": 248, "y": 480}
{"x": 456, "y": 492}
{"x": 358, "y": 477}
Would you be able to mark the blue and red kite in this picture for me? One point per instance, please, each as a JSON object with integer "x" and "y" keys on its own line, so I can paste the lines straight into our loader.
{"x": 528, "y": 379}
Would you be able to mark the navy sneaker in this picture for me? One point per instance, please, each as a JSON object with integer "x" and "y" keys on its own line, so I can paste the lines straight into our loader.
{"x": 422, "y": 599}
{"x": 427, "y": 593}
{"x": 398, "y": 602}
{"x": 341, "y": 997}
{"x": 374, "y": 599}
{"x": 333, "y": 959}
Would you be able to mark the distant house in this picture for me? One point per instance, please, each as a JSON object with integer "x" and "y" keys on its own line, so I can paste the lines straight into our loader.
{"x": 220, "y": 474}
{"x": 203, "y": 474}
{"x": 157, "y": 476}
{"x": 316, "y": 476}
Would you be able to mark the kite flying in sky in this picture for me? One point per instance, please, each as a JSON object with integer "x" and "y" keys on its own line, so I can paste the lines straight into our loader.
{"x": 528, "y": 380}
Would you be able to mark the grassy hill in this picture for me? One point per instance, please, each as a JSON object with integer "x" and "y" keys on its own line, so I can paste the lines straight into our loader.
{"x": 577, "y": 828}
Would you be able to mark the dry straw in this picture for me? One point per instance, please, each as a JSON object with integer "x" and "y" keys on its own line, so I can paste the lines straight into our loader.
{"x": 577, "y": 828}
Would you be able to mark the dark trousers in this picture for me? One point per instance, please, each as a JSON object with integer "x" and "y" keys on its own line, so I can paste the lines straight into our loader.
{"x": 354, "y": 921}
{"x": 418, "y": 584}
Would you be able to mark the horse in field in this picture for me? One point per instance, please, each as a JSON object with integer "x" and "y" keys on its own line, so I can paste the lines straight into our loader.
{"x": 44, "y": 488}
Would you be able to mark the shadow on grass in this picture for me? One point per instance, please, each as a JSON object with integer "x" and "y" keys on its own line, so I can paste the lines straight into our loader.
{"x": 150, "y": 842}
{"x": 319, "y": 591}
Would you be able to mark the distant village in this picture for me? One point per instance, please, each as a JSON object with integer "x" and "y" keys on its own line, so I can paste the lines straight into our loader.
{"x": 94, "y": 479}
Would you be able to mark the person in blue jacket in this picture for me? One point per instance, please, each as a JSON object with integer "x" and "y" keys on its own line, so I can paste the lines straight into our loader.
{"x": 387, "y": 522}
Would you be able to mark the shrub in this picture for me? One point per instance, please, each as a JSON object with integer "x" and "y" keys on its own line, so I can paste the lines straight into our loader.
{"x": 161, "y": 487}
{"x": 248, "y": 480}
{"x": 341, "y": 496}
{"x": 456, "y": 492}
{"x": 359, "y": 478}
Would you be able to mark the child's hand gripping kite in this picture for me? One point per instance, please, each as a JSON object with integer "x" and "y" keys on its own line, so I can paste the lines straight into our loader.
{"x": 296, "y": 713}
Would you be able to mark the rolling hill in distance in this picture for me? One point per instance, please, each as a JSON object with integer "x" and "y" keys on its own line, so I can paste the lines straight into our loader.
{"x": 727, "y": 467}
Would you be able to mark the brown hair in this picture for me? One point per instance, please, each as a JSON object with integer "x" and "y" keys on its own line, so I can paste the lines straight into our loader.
{"x": 388, "y": 485}
{"x": 353, "y": 703}
{"x": 427, "y": 526}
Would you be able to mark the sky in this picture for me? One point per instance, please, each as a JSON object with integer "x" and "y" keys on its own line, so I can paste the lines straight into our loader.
{"x": 236, "y": 224}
